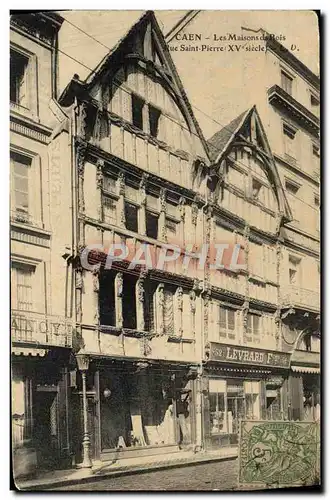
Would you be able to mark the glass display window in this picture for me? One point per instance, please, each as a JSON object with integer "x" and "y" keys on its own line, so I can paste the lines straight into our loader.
{"x": 231, "y": 401}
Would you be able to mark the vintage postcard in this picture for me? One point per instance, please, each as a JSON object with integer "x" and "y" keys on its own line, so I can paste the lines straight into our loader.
{"x": 165, "y": 250}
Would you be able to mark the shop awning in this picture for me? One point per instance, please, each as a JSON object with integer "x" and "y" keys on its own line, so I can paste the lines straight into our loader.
{"x": 305, "y": 369}
{"x": 29, "y": 351}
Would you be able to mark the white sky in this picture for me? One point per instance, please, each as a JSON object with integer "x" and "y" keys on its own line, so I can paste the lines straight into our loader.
{"x": 299, "y": 27}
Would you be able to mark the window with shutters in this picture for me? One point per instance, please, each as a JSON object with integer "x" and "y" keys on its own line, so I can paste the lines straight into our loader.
{"x": 19, "y": 90}
{"x": 22, "y": 286}
{"x": 252, "y": 334}
{"x": 226, "y": 323}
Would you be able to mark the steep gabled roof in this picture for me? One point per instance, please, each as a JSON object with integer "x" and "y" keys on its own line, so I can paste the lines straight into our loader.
{"x": 221, "y": 140}
{"x": 174, "y": 82}
{"x": 240, "y": 128}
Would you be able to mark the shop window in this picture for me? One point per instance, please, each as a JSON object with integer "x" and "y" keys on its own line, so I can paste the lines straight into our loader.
{"x": 21, "y": 199}
{"x": 286, "y": 82}
{"x": 138, "y": 410}
{"x": 154, "y": 116}
{"x": 109, "y": 210}
{"x": 227, "y": 323}
{"x": 230, "y": 401}
{"x": 152, "y": 225}
{"x": 19, "y": 78}
{"x": 253, "y": 328}
{"x": 22, "y": 279}
{"x": 129, "y": 302}
{"x": 273, "y": 404}
{"x": 131, "y": 217}
{"x": 137, "y": 111}
{"x": 107, "y": 299}
{"x": 252, "y": 400}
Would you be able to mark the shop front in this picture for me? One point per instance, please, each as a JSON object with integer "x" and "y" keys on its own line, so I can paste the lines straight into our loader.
{"x": 304, "y": 384}
{"x": 135, "y": 409}
{"x": 241, "y": 383}
{"x": 39, "y": 411}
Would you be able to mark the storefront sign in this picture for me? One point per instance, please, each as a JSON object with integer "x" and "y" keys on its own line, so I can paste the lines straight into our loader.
{"x": 248, "y": 356}
{"x": 33, "y": 327}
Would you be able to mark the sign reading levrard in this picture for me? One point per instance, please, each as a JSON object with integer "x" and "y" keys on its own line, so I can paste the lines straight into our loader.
{"x": 248, "y": 355}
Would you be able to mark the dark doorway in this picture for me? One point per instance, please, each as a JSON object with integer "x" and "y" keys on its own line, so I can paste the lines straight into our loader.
{"x": 46, "y": 436}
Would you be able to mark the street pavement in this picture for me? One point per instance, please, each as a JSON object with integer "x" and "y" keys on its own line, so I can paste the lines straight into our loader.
{"x": 201, "y": 477}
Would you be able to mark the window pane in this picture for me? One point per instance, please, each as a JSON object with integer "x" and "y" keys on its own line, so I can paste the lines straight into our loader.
{"x": 109, "y": 210}
{"x": 18, "y": 78}
{"x": 21, "y": 200}
{"x": 137, "y": 111}
{"x": 286, "y": 82}
{"x": 131, "y": 217}
{"x": 222, "y": 318}
{"x": 24, "y": 288}
{"x": 256, "y": 324}
{"x": 21, "y": 183}
{"x": 154, "y": 115}
{"x": 231, "y": 319}
{"x": 152, "y": 225}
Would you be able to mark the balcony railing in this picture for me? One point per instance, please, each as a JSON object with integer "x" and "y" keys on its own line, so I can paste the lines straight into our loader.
{"x": 293, "y": 296}
{"x": 40, "y": 329}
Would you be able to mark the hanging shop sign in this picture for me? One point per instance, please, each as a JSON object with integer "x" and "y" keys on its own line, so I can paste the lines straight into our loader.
{"x": 248, "y": 356}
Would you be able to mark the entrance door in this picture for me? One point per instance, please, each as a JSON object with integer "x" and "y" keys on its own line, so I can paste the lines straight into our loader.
{"x": 236, "y": 411}
{"x": 46, "y": 435}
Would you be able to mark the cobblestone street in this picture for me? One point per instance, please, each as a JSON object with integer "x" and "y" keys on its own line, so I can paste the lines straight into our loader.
{"x": 212, "y": 476}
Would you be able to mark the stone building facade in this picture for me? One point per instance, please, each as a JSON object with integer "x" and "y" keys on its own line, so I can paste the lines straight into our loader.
{"x": 41, "y": 329}
{"x": 124, "y": 361}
